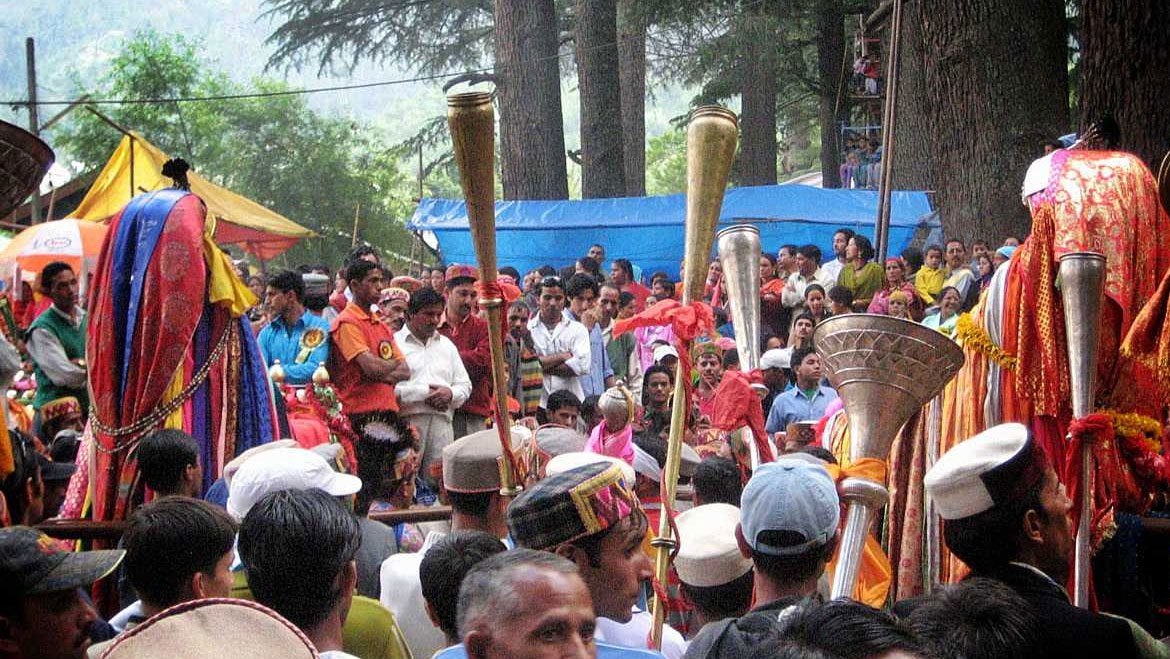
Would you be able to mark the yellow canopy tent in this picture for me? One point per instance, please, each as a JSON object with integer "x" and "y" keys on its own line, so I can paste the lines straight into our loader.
{"x": 137, "y": 165}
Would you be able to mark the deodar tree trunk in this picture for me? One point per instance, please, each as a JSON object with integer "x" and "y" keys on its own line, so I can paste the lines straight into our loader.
{"x": 985, "y": 84}
{"x": 758, "y": 89}
{"x": 1125, "y": 71}
{"x": 532, "y": 140}
{"x": 632, "y": 71}
{"x": 833, "y": 99}
{"x": 602, "y": 164}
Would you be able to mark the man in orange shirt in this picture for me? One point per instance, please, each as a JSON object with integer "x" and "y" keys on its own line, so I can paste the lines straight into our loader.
{"x": 365, "y": 364}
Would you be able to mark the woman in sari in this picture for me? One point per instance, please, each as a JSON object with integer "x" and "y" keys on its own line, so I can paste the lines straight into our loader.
{"x": 860, "y": 274}
{"x": 772, "y": 310}
{"x": 896, "y": 281}
{"x": 948, "y": 311}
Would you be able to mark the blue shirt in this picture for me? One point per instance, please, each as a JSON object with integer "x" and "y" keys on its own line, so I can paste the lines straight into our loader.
{"x": 593, "y": 382}
{"x": 288, "y": 344}
{"x": 793, "y": 405}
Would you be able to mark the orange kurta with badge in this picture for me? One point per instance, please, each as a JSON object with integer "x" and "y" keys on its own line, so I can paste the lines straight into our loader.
{"x": 355, "y": 331}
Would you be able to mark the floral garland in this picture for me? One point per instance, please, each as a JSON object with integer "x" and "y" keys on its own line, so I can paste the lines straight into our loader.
{"x": 322, "y": 400}
{"x": 975, "y": 337}
{"x": 1140, "y": 449}
{"x": 1137, "y": 426}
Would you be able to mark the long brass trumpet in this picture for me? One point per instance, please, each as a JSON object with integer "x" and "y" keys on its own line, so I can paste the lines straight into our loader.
{"x": 472, "y": 122}
{"x": 711, "y": 138}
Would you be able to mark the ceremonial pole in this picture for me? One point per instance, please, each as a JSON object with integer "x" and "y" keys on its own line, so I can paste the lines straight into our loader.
{"x": 472, "y": 122}
{"x": 711, "y": 138}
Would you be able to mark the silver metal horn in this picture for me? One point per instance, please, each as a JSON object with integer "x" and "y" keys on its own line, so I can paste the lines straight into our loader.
{"x": 739, "y": 255}
{"x": 885, "y": 369}
{"x": 1082, "y": 291}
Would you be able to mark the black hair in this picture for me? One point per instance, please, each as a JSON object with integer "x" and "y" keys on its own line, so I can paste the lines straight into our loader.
{"x": 592, "y": 267}
{"x": 979, "y": 241}
{"x": 729, "y": 600}
{"x": 806, "y": 316}
{"x": 792, "y": 568}
{"x": 511, "y": 272}
{"x": 288, "y": 280}
{"x": 933, "y": 248}
{"x": 848, "y": 233}
{"x": 977, "y": 618}
{"x": 814, "y": 287}
{"x": 171, "y": 539}
{"x": 625, "y": 266}
{"x": 659, "y": 274}
{"x": 844, "y": 629}
{"x": 653, "y": 446}
{"x": 667, "y": 287}
{"x": 864, "y": 247}
{"x": 25, "y": 467}
{"x": 163, "y": 457}
{"x": 566, "y": 272}
{"x": 798, "y": 356}
{"x": 444, "y": 566}
{"x": 551, "y": 281}
{"x": 811, "y": 252}
{"x": 474, "y": 504}
{"x": 423, "y": 298}
{"x": 50, "y": 271}
{"x": 562, "y": 398}
{"x": 624, "y": 299}
{"x": 579, "y": 283}
{"x": 547, "y": 271}
{"x": 769, "y": 258}
{"x": 717, "y": 480}
{"x": 294, "y": 545}
{"x": 792, "y": 249}
{"x": 913, "y": 257}
{"x": 730, "y": 359}
{"x": 654, "y": 369}
{"x": 952, "y": 239}
{"x": 993, "y": 538}
{"x": 359, "y": 270}
{"x": 360, "y": 251}
{"x": 842, "y": 295}
{"x": 819, "y": 452}
{"x": 589, "y": 407}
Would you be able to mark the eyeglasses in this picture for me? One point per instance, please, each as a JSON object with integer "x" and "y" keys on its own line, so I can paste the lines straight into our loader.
{"x": 551, "y": 281}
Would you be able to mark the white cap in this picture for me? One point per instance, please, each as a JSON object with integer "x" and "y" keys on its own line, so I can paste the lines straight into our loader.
{"x": 776, "y": 358}
{"x": 230, "y": 469}
{"x": 994, "y": 467}
{"x": 566, "y": 461}
{"x": 662, "y": 352}
{"x": 285, "y": 469}
{"x": 708, "y": 554}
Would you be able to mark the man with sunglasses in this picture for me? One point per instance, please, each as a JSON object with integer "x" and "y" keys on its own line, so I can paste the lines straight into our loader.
{"x": 561, "y": 343}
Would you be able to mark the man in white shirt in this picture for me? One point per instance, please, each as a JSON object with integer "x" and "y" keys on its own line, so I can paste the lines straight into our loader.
{"x": 438, "y": 382}
{"x": 832, "y": 269}
{"x": 562, "y": 344}
{"x": 808, "y": 271}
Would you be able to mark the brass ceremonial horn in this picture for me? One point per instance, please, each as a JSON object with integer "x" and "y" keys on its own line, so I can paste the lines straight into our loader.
{"x": 1082, "y": 292}
{"x": 24, "y": 160}
{"x": 885, "y": 369}
{"x": 711, "y": 137}
{"x": 739, "y": 254}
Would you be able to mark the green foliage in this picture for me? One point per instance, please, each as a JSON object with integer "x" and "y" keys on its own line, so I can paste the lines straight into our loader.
{"x": 316, "y": 170}
{"x": 666, "y": 163}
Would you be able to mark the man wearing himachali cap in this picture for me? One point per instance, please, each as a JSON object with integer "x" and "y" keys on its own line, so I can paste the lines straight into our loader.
{"x": 471, "y": 477}
{"x": 1006, "y": 516}
{"x": 788, "y": 526}
{"x": 715, "y": 575}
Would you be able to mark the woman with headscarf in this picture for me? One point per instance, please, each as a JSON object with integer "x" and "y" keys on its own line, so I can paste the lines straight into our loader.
{"x": 896, "y": 281}
{"x": 948, "y": 311}
{"x": 860, "y": 274}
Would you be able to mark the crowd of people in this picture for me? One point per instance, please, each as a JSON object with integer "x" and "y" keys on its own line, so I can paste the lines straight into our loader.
{"x": 565, "y": 568}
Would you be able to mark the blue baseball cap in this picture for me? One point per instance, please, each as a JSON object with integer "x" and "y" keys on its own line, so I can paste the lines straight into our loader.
{"x": 790, "y": 495}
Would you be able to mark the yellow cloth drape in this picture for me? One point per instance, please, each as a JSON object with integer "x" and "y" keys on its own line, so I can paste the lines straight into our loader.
{"x": 225, "y": 286}
{"x": 875, "y": 574}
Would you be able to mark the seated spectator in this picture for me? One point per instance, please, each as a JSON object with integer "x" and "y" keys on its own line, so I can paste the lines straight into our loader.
{"x": 840, "y": 300}
{"x": 929, "y": 279}
{"x": 168, "y": 462}
{"x": 55, "y": 476}
{"x": 298, "y": 549}
{"x": 563, "y": 409}
{"x": 896, "y": 282}
{"x": 443, "y": 569}
{"x": 717, "y": 480}
{"x": 913, "y": 258}
{"x": 24, "y": 489}
{"x": 178, "y": 549}
{"x": 715, "y": 577}
{"x": 947, "y": 316}
{"x": 976, "y": 618}
{"x": 43, "y": 614}
{"x": 1002, "y": 256}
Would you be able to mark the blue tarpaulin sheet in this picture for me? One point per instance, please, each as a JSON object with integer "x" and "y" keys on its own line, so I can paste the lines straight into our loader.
{"x": 649, "y": 230}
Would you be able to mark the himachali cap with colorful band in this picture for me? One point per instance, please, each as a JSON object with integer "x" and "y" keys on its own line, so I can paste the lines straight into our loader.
{"x": 708, "y": 554}
{"x": 60, "y": 407}
{"x": 471, "y": 464}
{"x": 395, "y": 294}
{"x": 577, "y": 503}
{"x": 406, "y": 283}
{"x": 460, "y": 272}
{"x": 990, "y": 469}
